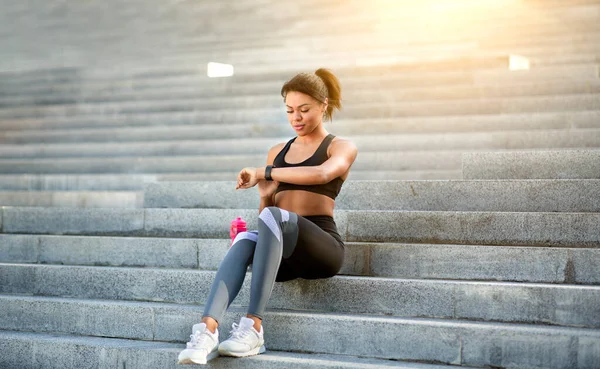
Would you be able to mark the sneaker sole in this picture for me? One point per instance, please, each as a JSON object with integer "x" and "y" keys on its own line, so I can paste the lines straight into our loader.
{"x": 188, "y": 360}
{"x": 256, "y": 351}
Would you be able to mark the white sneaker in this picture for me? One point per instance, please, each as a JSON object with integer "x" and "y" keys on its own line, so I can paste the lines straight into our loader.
{"x": 244, "y": 340}
{"x": 202, "y": 347}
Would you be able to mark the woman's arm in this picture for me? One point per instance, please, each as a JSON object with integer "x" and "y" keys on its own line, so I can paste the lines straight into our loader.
{"x": 342, "y": 156}
{"x": 266, "y": 189}
{"x": 264, "y": 202}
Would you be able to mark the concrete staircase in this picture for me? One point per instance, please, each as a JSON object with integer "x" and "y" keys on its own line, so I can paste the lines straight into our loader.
{"x": 471, "y": 215}
{"x": 501, "y": 274}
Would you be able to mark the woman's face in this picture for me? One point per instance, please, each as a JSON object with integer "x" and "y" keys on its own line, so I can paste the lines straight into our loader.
{"x": 304, "y": 113}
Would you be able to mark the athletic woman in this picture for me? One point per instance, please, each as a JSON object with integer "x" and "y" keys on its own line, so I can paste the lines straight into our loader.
{"x": 297, "y": 236}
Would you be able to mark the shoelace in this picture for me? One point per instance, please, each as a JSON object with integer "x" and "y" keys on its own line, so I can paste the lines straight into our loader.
{"x": 239, "y": 332}
{"x": 196, "y": 339}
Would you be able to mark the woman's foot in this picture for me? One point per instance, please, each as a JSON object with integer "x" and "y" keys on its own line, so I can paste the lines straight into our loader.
{"x": 203, "y": 346}
{"x": 244, "y": 340}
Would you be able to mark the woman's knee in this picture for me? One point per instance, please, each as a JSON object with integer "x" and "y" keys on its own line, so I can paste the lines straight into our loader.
{"x": 242, "y": 249}
{"x": 252, "y": 236}
{"x": 273, "y": 213}
{"x": 269, "y": 211}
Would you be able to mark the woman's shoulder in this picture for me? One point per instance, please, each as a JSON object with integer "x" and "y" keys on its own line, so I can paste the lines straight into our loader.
{"x": 277, "y": 148}
{"x": 341, "y": 144}
{"x": 274, "y": 150}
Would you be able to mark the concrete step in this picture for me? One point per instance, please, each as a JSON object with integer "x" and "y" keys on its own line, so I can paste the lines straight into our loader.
{"x": 184, "y": 126}
{"x": 575, "y": 306}
{"x": 424, "y": 261}
{"x": 487, "y": 37}
{"x": 61, "y": 352}
{"x": 79, "y": 199}
{"x": 474, "y": 228}
{"x": 398, "y": 175}
{"x": 195, "y": 164}
{"x": 568, "y": 164}
{"x": 499, "y": 140}
{"x": 127, "y": 182}
{"x": 182, "y": 98}
{"x": 386, "y": 110}
{"x": 93, "y": 73}
{"x": 455, "y": 195}
{"x": 415, "y": 339}
{"x": 349, "y": 13}
{"x": 270, "y": 81}
{"x": 255, "y": 62}
{"x": 336, "y": 54}
{"x": 259, "y": 25}
{"x": 540, "y": 57}
{"x": 98, "y": 182}
{"x": 354, "y": 20}
{"x": 533, "y": 196}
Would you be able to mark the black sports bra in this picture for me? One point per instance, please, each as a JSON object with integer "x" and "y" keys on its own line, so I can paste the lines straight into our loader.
{"x": 330, "y": 189}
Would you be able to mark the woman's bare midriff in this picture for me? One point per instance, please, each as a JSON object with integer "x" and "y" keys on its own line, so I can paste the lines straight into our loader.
{"x": 304, "y": 203}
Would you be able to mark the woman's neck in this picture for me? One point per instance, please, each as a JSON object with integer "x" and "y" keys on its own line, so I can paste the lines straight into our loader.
{"x": 315, "y": 136}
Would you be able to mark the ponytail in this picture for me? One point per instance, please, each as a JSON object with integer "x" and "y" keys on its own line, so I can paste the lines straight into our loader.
{"x": 334, "y": 94}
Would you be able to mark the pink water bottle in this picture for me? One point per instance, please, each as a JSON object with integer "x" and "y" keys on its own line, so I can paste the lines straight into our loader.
{"x": 237, "y": 225}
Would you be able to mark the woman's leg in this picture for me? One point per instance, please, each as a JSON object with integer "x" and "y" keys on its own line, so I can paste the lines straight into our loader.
{"x": 318, "y": 253}
{"x": 277, "y": 236}
{"x": 229, "y": 279}
{"x": 204, "y": 340}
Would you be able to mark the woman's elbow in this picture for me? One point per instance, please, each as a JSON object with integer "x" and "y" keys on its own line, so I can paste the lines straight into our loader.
{"x": 323, "y": 176}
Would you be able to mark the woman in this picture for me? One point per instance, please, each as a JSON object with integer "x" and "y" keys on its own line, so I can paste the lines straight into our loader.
{"x": 296, "y": 237}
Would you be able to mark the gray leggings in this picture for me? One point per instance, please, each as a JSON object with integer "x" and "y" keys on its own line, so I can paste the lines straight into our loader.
{"x": 286, "y": 246}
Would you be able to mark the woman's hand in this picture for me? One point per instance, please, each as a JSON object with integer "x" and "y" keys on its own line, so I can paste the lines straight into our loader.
{"x": 246, "y": 178}
{"x": 266, "y": 189}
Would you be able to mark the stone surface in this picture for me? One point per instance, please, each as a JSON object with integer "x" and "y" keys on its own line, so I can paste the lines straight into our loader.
{"x": 543, "y": 229}
{"x": 498, "y": 195}
{"x": 516, "y": 140}
{"x": 528, "y": 304}
{"x": 588, "y": 352}
{"x": 463, "y": 262}
{"x": 376, "y": 109}
{"x": 72, "y": 221}
{"x": 218, "y": 195}
{"x": 183, "y": 126}
{"x": 94, "y": 318}
{"x": 73, "y": 199}
{"x": 484, "y": 228}
{"x": 516, "y": 348}
{"x": 521, "y": 345}
{"x": 19, "y": 249}
{"x": 530, "y": 264}
{"x": 356, "y": 90}
{"x": 565, "y": 164}
{"x": 585, "y": 265}
{"x": 205, "y": 223}
{"x": 379, "y": 161}
{"x": 176, "y": 253}
{"x": 494, "y": 301}
{"x": 66, "y": 351}
{"x": 100, "y": 182}
{"x": 486, "y": 105}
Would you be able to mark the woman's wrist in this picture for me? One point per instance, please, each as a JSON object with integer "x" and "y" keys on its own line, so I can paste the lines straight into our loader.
{"x": 260, "y": 173}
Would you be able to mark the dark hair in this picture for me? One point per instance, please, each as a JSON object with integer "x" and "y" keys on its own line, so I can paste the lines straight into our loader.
{"x": 319, "y": 85}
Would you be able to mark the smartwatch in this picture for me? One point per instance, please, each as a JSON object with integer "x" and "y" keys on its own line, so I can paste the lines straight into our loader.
{"x": 268, "y": 172}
